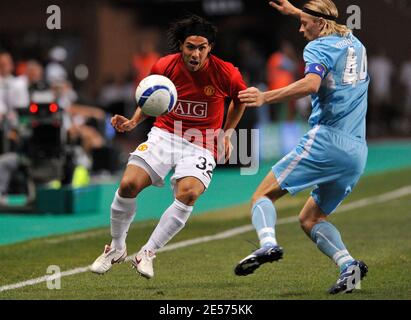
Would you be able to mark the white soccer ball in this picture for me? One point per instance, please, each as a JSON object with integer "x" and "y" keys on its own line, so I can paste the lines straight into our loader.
{"x": 156, "y": 95}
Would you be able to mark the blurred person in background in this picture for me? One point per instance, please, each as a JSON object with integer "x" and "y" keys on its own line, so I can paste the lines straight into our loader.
{"x": 282, "y": 70}
{"x": 405, "y": 79}
{"x": 144, "y": 59}
{"x": 85, "y": 125}
{"x": 109, "y": 92}
{"x": 55, "y": 70}
{"x": 13, "y": 95}
{"x": 116, "y": 95}
{"x": 252, "y": 61}
{"x": 252, "y": 65}
{"x": 34, "y": 75}
{"x": 9, "y": 163}
{"x": 381, "y": 70}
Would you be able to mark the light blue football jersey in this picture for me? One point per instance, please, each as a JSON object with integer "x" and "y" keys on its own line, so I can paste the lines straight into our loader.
{"x": 341, "y": 101}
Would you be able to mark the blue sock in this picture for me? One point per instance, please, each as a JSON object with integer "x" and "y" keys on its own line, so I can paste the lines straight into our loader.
{"x": 264, "y": 217}
{"x": 328, "y": 240}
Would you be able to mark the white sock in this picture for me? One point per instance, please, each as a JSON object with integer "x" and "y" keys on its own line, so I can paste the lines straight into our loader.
{"x": 123, "y": 211}
{"x": 171, "y": 222}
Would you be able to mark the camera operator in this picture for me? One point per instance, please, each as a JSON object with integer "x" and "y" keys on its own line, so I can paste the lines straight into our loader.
{"x": 34, "y": 77}
{"x": 13, "y": 96}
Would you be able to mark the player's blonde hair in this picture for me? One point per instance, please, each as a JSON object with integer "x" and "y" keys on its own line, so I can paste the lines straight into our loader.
{"x": 329, "y": 8}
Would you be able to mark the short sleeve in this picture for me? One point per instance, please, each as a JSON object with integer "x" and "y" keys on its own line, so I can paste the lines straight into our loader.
{"x": 316, "y": 57}
{"x": 237, "y": 84}
{"x": 158, "y": 67}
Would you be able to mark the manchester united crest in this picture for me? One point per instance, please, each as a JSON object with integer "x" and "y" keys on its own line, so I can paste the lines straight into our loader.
{"x": 142, "y": 147}
{"x": 209, "y": 91}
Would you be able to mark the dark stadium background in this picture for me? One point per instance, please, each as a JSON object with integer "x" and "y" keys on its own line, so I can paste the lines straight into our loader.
{"x": 103, "y": 34}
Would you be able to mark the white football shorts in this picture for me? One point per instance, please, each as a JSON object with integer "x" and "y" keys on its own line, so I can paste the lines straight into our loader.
{"x": 164, "y": 151}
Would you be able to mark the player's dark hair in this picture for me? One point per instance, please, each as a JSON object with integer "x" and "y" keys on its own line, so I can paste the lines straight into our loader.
{"x": 191, "y": 26}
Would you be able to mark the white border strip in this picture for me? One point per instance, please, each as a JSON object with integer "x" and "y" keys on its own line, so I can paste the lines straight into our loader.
{"x": 392, "y": 195}
{"x": 307, "y": 148}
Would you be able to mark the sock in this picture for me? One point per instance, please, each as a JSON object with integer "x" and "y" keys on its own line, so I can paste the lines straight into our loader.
{"x": 123, "y": 211}
{"x": 264, "y": 218}
{"x": 171, "y": 222}
{"x": 328, "y": 240}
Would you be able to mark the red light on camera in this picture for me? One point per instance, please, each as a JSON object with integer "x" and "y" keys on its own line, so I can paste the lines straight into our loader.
{"x": 53, "y": 107}
{"x": 34, "y": 108}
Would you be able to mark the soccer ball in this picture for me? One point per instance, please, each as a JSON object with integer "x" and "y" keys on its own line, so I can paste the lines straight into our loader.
{"x": 156, "y": 95}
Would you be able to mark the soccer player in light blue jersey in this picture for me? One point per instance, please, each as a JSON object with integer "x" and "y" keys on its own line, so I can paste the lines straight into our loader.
{"x": 331, "y": 157}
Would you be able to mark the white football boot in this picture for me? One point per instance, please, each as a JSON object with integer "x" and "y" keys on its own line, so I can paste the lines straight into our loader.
{"x": 109, "y": 257}
{"x": 143, "y": 262}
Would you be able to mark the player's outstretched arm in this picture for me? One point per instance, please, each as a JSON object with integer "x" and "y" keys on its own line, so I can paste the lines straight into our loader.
{"x": 286, "y": 8}
{"x": 252, "y": 97}
{"x": 122, "y": 124}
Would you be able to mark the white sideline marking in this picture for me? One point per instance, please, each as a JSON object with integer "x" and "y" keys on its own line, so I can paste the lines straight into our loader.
{"x": 223, "y": 235}
{"x": 43, "y": 279}
{"x": 79, "y": 236}
{"x": 87, "y": 234}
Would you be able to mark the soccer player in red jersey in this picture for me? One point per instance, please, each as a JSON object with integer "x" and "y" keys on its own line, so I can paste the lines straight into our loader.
{"x": 182, "y": 140}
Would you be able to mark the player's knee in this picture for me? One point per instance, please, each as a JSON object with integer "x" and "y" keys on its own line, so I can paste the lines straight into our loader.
{"x": 304, "y": 222}
{"x": 188, "y": 195}
{"x": 254, "y": 199}
{"x": 129, "y": 188}
{"x": 307, "y": 223}
{"x": 256, "y": 196}
{"x": 271, "y": 194}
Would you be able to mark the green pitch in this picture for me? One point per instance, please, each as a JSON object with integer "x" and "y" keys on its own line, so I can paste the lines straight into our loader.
{"x": 376, "y": 231}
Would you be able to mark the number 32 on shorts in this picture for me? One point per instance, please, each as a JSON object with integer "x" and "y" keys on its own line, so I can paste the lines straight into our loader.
{"x": 206, "y": 166}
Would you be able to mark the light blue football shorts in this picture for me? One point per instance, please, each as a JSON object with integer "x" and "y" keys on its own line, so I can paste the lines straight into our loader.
{"x": 327, "y": 159}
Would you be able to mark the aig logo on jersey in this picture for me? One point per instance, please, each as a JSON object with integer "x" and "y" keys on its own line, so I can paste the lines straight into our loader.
{"x": 192, "y": 109}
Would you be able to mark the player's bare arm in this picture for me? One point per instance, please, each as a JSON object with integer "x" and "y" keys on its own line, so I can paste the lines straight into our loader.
{"x": 253, "y": 97}
{"x": 286, "y": 8}
{"x": 122, "y": 124}
{"x": 86, "y": 111}
{"x": 234, "y": 114}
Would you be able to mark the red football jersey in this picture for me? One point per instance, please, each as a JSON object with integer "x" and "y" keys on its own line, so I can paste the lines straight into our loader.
{"x": 201, "y": 97}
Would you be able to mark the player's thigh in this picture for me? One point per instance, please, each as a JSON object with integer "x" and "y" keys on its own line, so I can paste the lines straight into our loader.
{"x": 314, "y": 161}
{"x": 269, "y": 188}
{"x": 134, "y": 180}
{"x": 329, "y": 196}
{"x": 197, "y": 163}
{"x": 156, "y": 155}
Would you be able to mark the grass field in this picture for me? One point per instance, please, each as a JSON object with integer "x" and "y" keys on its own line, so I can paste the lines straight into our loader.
{"x": 377, "y": 232}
